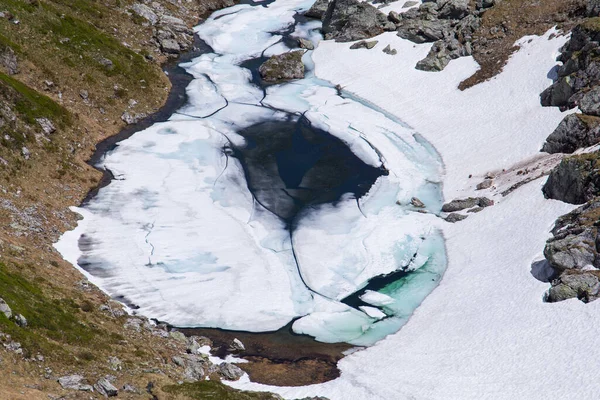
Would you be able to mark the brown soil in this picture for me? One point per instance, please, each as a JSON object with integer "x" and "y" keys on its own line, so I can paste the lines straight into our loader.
{"x": 279, "y": 358}
{"x": 510, "y": 20}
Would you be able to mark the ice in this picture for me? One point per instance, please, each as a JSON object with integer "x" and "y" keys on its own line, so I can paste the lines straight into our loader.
{"x": 180, "y": 236}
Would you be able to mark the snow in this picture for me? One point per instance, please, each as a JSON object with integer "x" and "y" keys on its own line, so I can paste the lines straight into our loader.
{"x": 484, "y": 332}
{"x": 179, "y": 235}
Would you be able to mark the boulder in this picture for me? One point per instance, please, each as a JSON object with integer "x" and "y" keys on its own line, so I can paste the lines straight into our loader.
{"x": 21, "y": 320}
{"x": 8, "y": 60}
{"x": 363, "y": 44}
{"x": 145, "y": 12}
{"x": 455, "y": 217}
{"x": 46, "y": 125}
{"x": 105, "y": 388}
{"x": 5, "y": 309}
{"x": 575, "y": 131}
{"x": 453, "y": 9}
{"x": 74, "y": 382}
{"x": 388, "y": 50}
{"x": 170, "y": 46}
{"x": 236, "y": 345}
{"x": 283, "y": 67}
{"x": 575, "y": 180}
{"x": 584, "y": 286}
{"x": 590, "y": 102}
{"x": 306, "y": 44}
{"x": 318, "y": 9}
{"x": 350, "y": 20}
{"x": 230, "y": 372}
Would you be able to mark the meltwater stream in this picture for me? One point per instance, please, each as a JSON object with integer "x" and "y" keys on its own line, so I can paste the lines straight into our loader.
{"x": 257, "y": 205}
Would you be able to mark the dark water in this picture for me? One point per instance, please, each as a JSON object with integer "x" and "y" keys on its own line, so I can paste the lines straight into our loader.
{"x": 290, "y": 165}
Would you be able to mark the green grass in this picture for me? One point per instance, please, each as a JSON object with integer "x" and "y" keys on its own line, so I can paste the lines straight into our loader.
{"x": 206, "y": 390}
{"x": 30, "y": 104}
{"x": 56, "y": 319}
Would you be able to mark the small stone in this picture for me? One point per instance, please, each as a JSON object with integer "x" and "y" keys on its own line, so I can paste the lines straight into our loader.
{"x": 180, "y": 337}
{"x": 236, "y": 345}
{"x": 230, "y": 372}
{"x": 417, "y": 203}
{"x": 170, "y": 46}
{"x": 394, "y": 17}
{"x": 486, "y": 184}
{"x": 455, "y": 217}
{"x": 363, "y": 44}
{"x": 306, "y": 44}
{"x": 26, "y": 153}
{"x": 84, "y": 94}
{"x": 390, "y": 51}
{"x": 130, "y": 389}
{"x": 114, "y": 363}
{"x": 485, "y": 202}
{"x": 46, "y": 125}
{"x": 20, "y": 320}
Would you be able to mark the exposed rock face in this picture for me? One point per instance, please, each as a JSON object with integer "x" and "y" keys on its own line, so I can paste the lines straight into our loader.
{"x": 575, "y": 180}
{"x": 573, "y": 253}
{"x": 462, "y": 204}
{"x": 349, "y": 20}
{"x": 448, "y": 23}
{"x": 283, "y": 67}
{"x": 575, "y": 131}
{"x": 580, "y": 69}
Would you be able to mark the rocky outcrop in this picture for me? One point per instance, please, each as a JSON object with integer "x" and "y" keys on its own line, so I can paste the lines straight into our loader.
{"x": 318, "y": 9}
{"x": 575, "y": 180}
{"x": 349, "y": 20}
{"x": 575, "y": 131}
{"x": 283, "y": 67}
{"x": 463, "y": 204}
{"x": 8, "y": 60}
{"x": 572, "y": 253}
{"x": 449, "y": 23}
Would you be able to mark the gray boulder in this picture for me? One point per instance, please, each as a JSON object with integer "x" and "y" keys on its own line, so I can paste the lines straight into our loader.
{"x": 5, "y": 309}
{"x": 145, "y": 12}
{"x": 455, "y": 217}
{"x": 318, "y": 9}
{"x": 423, "y": 31}
{"x": 462, "y": 204}
{"x": 104, "y": 387}
{"x": 230, "y": 372}
{"x": 559, "y": 93}
{"x": 74, "y": 382}
{"x": 364, "y": 44}
{"x": 573, "y": 251}
{"x": 453, "y": 9}
{"x": 21, "y": 320}
{"x": 8, "y": 60}
{"x": 575, "y": 131}
{"x": 283, "y": 67}
{"x": 584, "y": 286}
{"x": 441, "y": 53}
{"x": 575, "y": 180}
{"x": 590, "y": 102}
{"x": 46, "y": 125}
{"x": 350, "y": 20}
{"x": 306, "y": 44}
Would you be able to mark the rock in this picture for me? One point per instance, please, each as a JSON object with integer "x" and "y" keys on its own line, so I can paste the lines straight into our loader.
{"x": 455, "y": 217}
{"x": 318, "y": 9}
{"x": 575, "y": 131}
{"x": 20, "y": 320}
{"x": 131, "y": 119}
{"x": 145, "y": 12}
{"x": 350, "y": 20}
{"x": 460, "y": 204}
{"x": 84, "y": 94}
{"x": 486, "y": 184}
{"x": 417, "y": 203}
{"x": 418, "y": 31}
{"x": 170, "y": 46}
{"x": 283, "y": 67}
{"x": 306, "y": 44}
{"x": 230, "y": 372}
{"x": 73, "y": 382}
{"x": 5, "y": 309}
{"x": 236, "y": 345}
{"x": 114, "y": 363}
{"x": 26, "y": 153}
{"x": 441, "y": 53}
{"x": 410, "y": 3}
{"x": 583, "y": 285}
{"x": 590, "y": 102}
{"x": 106, "y": 63}
{"x": 8, "y": 60}
{"x": 180, "y": 337}
{"x": 363, "y": 44}
{"x": 575, "y": 180}
{"x": 394, "y": 17}
{"x": 104, "y": 387}
{"x": 453, "y": 9}
{"x": 131, "y": 389}
{"x": 390, "y": 51}
{"x": 559, "y": 93}
{"x": 195, "y": 368}
{"x": 484, "y": 202}
{"x": 46, "y": 125}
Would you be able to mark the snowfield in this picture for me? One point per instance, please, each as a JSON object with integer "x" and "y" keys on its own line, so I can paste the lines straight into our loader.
{"x": 484, "y": 332}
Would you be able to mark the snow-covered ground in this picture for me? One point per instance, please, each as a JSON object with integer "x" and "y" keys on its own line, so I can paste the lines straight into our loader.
{"x": 485, "y": 332}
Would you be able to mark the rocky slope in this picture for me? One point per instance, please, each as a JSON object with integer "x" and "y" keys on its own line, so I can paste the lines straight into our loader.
{"x": 573, "y": 252}
{"x": 71, "y": 74}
